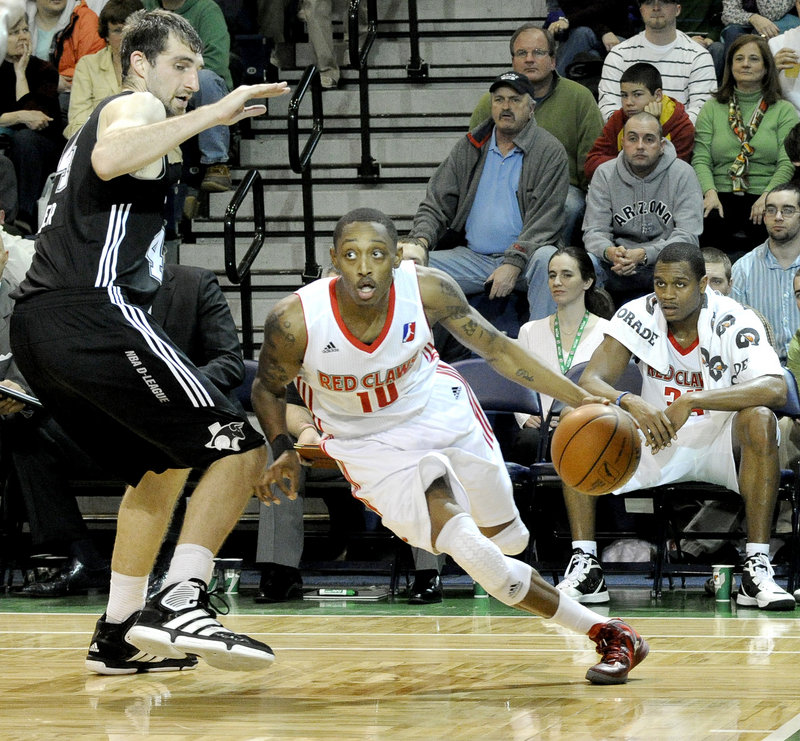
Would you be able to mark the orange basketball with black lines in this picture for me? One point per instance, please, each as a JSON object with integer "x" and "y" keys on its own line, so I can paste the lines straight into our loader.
{"x": 596, "y": 448}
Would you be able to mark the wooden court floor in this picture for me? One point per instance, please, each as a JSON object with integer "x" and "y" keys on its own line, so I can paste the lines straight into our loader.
{"x": 470, "y": 669}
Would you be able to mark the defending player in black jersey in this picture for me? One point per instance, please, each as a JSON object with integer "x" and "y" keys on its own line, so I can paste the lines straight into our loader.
{"x": 83, "y": 338}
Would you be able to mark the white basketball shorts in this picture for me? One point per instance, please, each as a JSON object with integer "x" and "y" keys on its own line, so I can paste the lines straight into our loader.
{"x": 390, "y": 471}
{"x": 702, "y": 452}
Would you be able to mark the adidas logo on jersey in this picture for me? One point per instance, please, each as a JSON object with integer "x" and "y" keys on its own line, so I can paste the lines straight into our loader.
{"x": 513, "y": 590}
{"x": 330, "y": 347}
{"x": 456, "y": 391}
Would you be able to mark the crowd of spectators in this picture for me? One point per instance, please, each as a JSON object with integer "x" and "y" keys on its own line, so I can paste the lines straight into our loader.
{"x": 693, "y": 138}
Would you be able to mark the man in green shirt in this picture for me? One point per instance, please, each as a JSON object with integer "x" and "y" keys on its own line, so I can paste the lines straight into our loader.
{"x": 564, "y": 108}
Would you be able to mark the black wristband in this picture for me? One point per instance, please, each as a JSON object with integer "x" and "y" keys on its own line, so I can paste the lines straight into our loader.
{"x": 280, "y": 445}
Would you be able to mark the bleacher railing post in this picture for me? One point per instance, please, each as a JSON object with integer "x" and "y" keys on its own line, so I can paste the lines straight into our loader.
{"x": 240, "y": 274}
{"x": 416, "y": 69}
{"x": 369, "y": 169}
{"x": 301, "y": 162}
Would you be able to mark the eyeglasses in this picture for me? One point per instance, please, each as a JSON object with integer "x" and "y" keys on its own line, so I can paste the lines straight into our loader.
{"x": 786, "y": 211}
{"x": 523, "y": 53}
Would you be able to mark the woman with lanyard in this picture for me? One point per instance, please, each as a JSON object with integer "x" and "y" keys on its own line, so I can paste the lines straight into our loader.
{"x": 565, "y": 338}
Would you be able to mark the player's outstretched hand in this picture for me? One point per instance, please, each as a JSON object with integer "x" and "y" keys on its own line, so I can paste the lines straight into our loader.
{"x": 233, "y": 107}
{"x": 283, "y": 473}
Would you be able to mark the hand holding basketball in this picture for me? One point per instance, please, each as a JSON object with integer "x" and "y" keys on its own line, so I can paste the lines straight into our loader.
{"x": 596, "y": 448}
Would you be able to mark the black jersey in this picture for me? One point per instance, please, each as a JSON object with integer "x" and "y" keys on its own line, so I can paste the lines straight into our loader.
{"x": 100, "y": 234}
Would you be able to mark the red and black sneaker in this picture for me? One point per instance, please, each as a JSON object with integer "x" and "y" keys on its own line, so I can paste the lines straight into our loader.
{"x": 621, "y": 647}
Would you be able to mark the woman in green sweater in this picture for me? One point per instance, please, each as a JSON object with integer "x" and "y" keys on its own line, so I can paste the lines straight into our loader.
{"x": 738, "y": 147}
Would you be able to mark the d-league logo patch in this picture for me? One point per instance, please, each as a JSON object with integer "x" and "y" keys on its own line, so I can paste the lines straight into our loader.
{"x": 409, "y": 330}
{"x": 225, "y": 437}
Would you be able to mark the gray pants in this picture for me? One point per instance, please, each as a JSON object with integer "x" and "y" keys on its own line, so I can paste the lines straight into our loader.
{"x": 281, "y": 533}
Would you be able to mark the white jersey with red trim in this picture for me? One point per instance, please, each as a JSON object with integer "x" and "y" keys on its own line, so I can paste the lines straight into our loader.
{"x": 354, "y": 389}
{"x": 685, "y": 374}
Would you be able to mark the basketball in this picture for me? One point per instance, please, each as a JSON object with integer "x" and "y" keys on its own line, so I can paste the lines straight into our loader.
{"x": 596, "y": 448}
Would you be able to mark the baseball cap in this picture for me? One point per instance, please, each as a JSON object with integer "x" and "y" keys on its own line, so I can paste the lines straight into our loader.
{"x": 519, "y": 82}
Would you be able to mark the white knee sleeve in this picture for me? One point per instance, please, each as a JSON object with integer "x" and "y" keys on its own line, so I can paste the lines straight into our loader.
{"x": 512, "y": 540}
{"x": 506, "y": 579}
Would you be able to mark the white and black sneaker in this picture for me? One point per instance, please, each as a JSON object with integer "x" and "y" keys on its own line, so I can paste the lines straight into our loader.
{"x": 758, "y": 587}
{"x": 179, "y": 621}
{"x": 110, "y": 653}
{"x": 584, "y": 580}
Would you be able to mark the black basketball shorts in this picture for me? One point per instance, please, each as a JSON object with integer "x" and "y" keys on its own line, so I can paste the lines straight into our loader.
{"x": 110, "y": 376}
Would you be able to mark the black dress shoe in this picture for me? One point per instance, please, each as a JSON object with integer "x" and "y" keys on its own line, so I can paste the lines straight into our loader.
{"x": 279, "y": 584}
{"x": 427, "y": 590}
{"x": 74, "y": 578}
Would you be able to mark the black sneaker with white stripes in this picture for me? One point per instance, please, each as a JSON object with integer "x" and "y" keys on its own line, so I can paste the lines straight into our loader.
{"x": 584, "y": 580}
{"x": 110, "y": 653}
{"x": 179, "y": 621}
{"x": 758, "y": 587}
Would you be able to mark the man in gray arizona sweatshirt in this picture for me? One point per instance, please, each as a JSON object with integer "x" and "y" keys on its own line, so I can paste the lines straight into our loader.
{"x": 637, "y": 204}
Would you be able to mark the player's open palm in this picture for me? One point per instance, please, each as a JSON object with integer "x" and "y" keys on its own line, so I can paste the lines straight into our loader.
{"x": 234, "y": 106}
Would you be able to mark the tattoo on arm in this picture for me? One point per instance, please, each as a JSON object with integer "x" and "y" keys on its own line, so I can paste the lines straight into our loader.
{"x": 281, "y": 352}
{"x": 526, "y": 375}
{"x": 276, "y": 377}
{"x": 470, "y": 327}
{"x": 449, "y": 289}
{"x": 278, "y": 329}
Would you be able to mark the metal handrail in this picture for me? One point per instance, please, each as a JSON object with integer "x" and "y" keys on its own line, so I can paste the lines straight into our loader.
{"x": 416, "y": 69}
{"x": 298, "y": 161}
{"x": 301, "y": 162}
{"x": 369, "y": 169}
{"x": 240, "y": 274}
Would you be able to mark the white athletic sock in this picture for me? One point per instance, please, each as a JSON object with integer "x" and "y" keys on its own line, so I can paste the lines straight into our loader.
{"x": 587, "y": 546}
{"x": 751, "y": 549}
{"x": 190, "y": 562}
{"x": 573, "y": 615}
{"x": 126, "y": 596}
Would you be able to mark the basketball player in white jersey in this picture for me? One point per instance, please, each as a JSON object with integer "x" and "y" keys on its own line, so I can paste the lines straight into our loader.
{"x": 709, "y": 378}
{"x": 405, "y": 428}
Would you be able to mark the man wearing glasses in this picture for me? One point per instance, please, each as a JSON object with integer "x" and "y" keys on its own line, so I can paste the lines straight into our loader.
{"x": 763, "y": 277}
{"x": 564, "y": 108}
{"x": 686, "y": 68}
